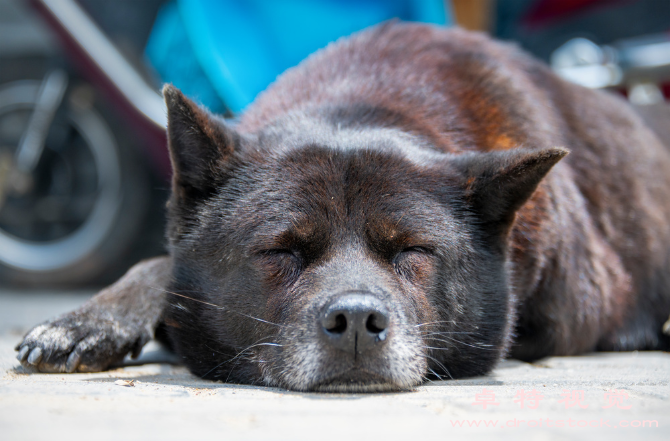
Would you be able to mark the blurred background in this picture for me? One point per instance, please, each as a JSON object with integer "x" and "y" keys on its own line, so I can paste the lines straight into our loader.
{"x": 84, "y": 170}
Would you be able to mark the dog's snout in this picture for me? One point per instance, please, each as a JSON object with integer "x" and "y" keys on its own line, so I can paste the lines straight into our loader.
{"x": 355, "y": 322}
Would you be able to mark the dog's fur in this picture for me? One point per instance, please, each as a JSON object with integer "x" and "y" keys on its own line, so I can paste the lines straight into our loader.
{"x": 416, "y": 166}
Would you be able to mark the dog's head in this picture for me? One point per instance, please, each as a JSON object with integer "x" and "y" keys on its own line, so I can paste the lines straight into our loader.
{"x": 314, "y": 256}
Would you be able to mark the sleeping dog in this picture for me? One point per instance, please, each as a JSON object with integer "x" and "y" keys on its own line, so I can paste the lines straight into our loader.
{"x": 407, "y": 203}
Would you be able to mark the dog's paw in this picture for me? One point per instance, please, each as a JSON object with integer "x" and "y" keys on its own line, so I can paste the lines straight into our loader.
{"x": 79, "y": 342}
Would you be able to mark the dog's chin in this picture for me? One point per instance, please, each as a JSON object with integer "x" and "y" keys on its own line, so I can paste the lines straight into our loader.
{"x": 357, "y": 380}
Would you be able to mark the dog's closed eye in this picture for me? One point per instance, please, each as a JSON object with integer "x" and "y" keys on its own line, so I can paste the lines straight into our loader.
{"x": 284, "y": 264}
{"x": 283, "y": 254}
{"x": 411, "y": 262}
{"x": 417, "y": 249}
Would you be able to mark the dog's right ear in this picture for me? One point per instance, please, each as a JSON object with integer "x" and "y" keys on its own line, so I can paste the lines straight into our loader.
{"x": 498, "y": 183}
{"x": 200, "y": 145}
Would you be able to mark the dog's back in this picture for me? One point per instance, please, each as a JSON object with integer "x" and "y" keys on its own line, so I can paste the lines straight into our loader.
{"x": 590, "y": 252}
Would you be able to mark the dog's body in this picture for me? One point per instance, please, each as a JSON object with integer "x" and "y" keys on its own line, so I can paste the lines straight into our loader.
{"x": 386, "y": 212}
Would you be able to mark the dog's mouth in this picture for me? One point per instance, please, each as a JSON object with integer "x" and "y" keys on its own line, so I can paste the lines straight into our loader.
{"x": 357, "y": 380}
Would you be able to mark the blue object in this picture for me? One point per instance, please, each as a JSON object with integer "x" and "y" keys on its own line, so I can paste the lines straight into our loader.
{"x": 224, "y": 52}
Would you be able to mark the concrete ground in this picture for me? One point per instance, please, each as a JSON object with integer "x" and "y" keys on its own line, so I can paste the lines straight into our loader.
{"x": 166, "y": 402}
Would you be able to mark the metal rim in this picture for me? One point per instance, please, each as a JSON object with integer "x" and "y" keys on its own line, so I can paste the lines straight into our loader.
{"x": 54, "y": 255}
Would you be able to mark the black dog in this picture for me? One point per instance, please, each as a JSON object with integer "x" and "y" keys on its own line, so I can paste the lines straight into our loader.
{"x": 394, "y": 208}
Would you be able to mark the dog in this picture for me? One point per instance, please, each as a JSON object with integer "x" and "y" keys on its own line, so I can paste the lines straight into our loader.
{"x": 412, "y": 202}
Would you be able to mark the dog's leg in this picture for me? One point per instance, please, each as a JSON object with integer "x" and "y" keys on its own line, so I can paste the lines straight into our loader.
{"x": 120, "y": 319}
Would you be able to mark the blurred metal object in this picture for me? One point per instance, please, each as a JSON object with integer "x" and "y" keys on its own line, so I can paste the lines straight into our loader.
{"x": 637, "y": 64}
{"x": 647, "y": 56}
{"x": 74, "y": 190}
{"x": 69, "y": 210}
{"x": 583, "y": 62}
{"x": 48, "y": 100}
{"x": 645, "y": 94}
{"x": 78, "y": 199}
{"x": 72, "y": 19}
{"x": 136, "y": 102}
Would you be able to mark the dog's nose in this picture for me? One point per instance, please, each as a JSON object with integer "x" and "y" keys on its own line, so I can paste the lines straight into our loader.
{"x": 355, "y": 322}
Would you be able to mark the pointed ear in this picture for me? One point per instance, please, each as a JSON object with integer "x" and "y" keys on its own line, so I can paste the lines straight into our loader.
{"x": 497, "y": 184}
{"x": 199, "y": 145}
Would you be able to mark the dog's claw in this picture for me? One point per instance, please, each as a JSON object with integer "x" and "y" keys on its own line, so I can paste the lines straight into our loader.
{"x": 73, "y": 362}
{"x": 35, "y": 356}
{"x": 23, "y": 353}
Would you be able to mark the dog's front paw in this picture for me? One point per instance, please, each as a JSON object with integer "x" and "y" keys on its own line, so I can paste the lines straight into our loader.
{"x": 80, "y": 342}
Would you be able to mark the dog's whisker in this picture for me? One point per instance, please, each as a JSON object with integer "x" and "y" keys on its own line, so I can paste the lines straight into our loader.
{"x": 435, "y": 348}
{"x": 435, "y": 323}
{"x": 439, "y": 364}
{"x": 434, "y": 373}
{"x": 187, "y": 297}
{"x": 222, "y": 308}
{"x": 240, "y": 354}
{"x": 475, "y": 345}
{"x": 427, "y": 334}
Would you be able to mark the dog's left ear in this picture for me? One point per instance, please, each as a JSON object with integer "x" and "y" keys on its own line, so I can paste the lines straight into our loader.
{"x": 200, "y": 144}
{"x": 497, "y": 184}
